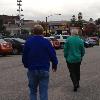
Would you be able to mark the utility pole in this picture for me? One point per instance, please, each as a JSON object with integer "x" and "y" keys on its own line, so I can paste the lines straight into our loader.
{"x": 46, "y": 25}
{"x": 19, "y": 14}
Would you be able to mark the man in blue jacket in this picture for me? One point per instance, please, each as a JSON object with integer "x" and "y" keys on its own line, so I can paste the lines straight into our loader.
{"x": 37, "y": 54}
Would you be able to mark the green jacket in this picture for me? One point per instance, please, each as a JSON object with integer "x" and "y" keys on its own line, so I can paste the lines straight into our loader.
{"x": 74, "y": 49}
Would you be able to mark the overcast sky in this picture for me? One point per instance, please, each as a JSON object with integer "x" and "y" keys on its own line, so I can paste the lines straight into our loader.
{"x": 39, "y": 9}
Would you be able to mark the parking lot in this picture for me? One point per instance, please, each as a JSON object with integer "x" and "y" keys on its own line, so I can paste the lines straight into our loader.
{"x": 13, "y": 78}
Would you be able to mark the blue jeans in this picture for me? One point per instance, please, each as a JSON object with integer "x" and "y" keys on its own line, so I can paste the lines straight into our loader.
{"x": 38, "y": 78}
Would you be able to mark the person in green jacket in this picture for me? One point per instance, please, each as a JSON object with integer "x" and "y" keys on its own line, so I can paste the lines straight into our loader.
{"x": 74, "y": 51}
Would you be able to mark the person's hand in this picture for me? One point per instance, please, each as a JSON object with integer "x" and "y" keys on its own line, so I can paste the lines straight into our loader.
{"x": 54, "y": 68}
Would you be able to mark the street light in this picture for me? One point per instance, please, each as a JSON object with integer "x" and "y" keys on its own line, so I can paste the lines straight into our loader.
{"x": 47, "y": 21}
{"x": 20, "y": 15}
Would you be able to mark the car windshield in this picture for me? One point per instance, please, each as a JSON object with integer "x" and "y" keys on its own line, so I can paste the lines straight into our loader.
{"x": 89, "y": 39}
{"x": 8, "y": 39}
{"x": 52, "y": 38}
{"x": 57, "y": 37}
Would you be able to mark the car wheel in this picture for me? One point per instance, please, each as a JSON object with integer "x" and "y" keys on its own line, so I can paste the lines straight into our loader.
{"x": 15, "y": 51}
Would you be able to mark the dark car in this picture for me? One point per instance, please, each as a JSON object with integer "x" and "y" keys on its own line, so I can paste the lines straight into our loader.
{"x": 96, "y": 39}
{"x": 17, "y": 44}
{"x": 89, "y": 42}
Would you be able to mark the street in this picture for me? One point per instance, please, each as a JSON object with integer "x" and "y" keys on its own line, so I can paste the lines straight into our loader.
{"x": 13, "y": 78}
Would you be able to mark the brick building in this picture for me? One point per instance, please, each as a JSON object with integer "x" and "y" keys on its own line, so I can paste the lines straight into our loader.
{"x": 9, "y": 19}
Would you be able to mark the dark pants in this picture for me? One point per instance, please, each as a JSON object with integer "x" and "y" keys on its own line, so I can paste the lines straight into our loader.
{"x": 74, "y": 69}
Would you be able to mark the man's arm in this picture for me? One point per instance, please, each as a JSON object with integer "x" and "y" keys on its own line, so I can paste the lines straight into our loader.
{"x": 53, "y": 57}
{"x": 82, "y": 49}
{"x": 25, "y": 55}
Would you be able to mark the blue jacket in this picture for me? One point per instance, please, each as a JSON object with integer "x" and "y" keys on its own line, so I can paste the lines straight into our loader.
{"x": 37, "y": 54}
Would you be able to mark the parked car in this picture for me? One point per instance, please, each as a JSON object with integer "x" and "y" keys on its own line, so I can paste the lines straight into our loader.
{"x": 61, "y": 39}
{"x": 17, "y": 44}
{"x": 55, "y": 43}
{"x": 5, "y": 47}
{"x": 88, "y": 42}
{"x": 96, "y": 39}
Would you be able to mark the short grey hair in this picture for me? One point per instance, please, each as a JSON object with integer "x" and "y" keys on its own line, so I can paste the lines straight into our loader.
{"x": 74, "y": 31}
{"x": 38, "y": 29}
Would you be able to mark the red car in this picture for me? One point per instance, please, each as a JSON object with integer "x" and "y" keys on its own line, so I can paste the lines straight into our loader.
{"x": 5, "y": 47}
{"x": 55, "y": 43}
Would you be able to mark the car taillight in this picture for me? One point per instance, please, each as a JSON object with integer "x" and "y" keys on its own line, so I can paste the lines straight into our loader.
{"x": 6, "y": 45}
